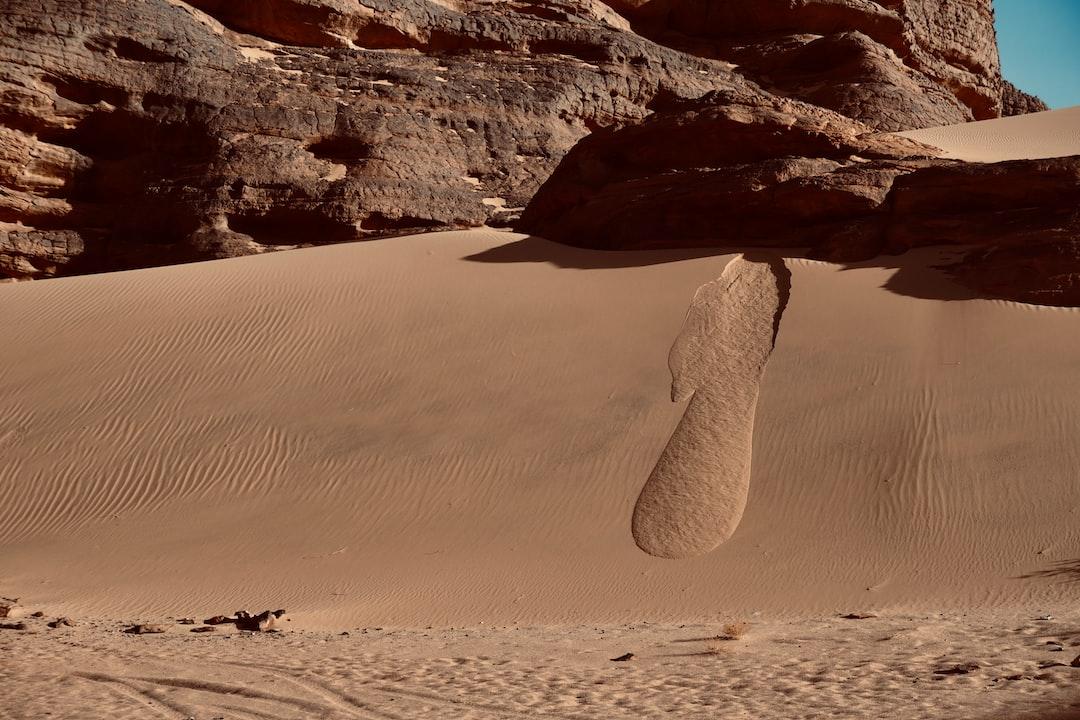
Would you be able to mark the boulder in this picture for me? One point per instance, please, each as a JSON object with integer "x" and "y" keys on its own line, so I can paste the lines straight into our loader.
{"x": 730, "y": 171}
{"x": 724, "y": 171}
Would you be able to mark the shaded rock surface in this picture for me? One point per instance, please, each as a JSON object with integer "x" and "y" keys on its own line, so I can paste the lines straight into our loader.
{"x": 146, "y": 133}
{"x": 893, "y": 64}
{"x": 726, "y": 170}
{"x": 1015, "y": 101}
{"x": 137, "y": 134}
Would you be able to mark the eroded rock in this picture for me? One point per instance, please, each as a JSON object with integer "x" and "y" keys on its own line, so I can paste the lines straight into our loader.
{"x": 143, "y": 629}
{"x": 893, "y": 64}
{"x": 135, "y": 134}
{"x": 7, "y": 606}
{"x": 265, "y": 621}
{"x": 1015, "y": 101}
{"x": 724, "y": 171}
{"x": 155, "y": 132}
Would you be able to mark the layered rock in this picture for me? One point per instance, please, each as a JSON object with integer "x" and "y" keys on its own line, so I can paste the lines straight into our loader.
{"x": 159, "y": 131}
{"x": 151, "y": 132}
{"x": 1042, "y": 268}
{"x": 1015, "y": 101}
{"x": 893, "y": 64}
{"x": 726, "y": 171}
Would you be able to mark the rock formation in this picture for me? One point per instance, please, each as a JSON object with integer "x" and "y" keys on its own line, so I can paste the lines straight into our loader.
{"x": 153, "y": 132}
{"x": 162, "y": 131}
{"x": 728, "y": 171}
{"x": 893, "y": 64}
{"x": 1015, "y": 101}
{"x": 725, "y": 170}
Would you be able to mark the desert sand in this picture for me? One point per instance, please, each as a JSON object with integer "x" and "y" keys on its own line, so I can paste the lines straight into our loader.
{"x": 896, "y": 667}
{"x": 1054, "y": 133}
{"x": 445, "y": 436}
{"x": 454, "y": 429}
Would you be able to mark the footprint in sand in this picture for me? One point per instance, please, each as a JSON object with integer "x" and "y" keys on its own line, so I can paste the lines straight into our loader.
{"x": 696, "y": 494}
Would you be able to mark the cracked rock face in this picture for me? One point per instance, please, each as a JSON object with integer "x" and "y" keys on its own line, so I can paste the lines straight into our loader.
{"x": 147, "y": 133}
{"x": 892, "y": 64}
{"x": 161, "y": 131}
{"x": 1015, "y": 101}
{"x": 727, "y": 171}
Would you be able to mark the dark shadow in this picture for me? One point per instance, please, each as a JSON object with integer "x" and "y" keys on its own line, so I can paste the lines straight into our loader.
{"x": 920, "y": 273}
{"x": 539, "y": 250}
{"x": 782, "y": 274}
{"x": 1064, "y": 571}
{"x": 703, "y": 653}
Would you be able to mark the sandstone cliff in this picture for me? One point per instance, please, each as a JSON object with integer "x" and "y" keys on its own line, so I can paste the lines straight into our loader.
{"x": 153, "y": 132}
{"x": 144, "y": 133}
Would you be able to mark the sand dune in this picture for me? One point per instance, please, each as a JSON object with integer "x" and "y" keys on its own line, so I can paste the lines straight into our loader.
{"x": 1055, "y": 133}
{"x": 454, "y": 428}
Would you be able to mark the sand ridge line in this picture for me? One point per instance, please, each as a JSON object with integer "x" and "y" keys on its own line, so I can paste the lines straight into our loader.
{"x": 696, "y": 494}
{"x": 1049, "y": 134}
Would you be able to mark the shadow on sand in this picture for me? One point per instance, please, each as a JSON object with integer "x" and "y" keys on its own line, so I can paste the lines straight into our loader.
{"x": 918, "y": 273}
{"x": 1064, "y": 571}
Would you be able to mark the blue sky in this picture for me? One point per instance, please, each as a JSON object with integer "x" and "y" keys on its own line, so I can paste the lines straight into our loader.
{"x": 1040, "y": 47}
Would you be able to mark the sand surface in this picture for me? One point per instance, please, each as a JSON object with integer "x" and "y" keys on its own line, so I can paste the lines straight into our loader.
{"x": 1054, "y": 133}
{"x": 896, "y": 667}
{"x": 436, "y": 444}
{"x": 453, "y": 429}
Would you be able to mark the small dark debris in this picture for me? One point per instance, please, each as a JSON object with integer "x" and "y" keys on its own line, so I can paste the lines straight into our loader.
{"x": 218, "y": 620}
{"x": 38, "y": 614}
{"x": 858, "y": 616}
{"x": 186, "y": 621}
{"x": 263, "y": 622}
{"x": 1040, "y": 677}
{"x": 623, "y": 658}
{"x": 1046, "y": 664}
{"x": 13, "y": 626}
{"x": 960, "y": 669}
{"x": 61, "y": 622}
{"x": 203, "y": 628}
